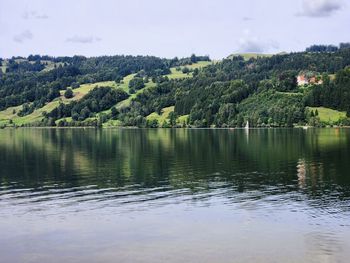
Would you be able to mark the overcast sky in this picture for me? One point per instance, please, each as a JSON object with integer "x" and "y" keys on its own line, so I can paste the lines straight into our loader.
{"x": 169, "y": 28}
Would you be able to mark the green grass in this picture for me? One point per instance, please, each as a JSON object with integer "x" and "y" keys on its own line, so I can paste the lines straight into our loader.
{"x": 124, "y": 85}
{"x": 199, "y": 64}
{"x": 327, "y": 115}
{"x": 175, "y": 74}
{"x": 85, "y": 88}
{"x": 11, "y": 114}
{"x": 68, "y": 119}
{"x": 126, "y": 103}
{"x": 112, "y": 123}
{"x": 178, "y": 74}
{"x": 36, "y": 116}
{"x": 182, "y": 119}
{"x": 7, "y": 114}
{"x": 162, "y": 117}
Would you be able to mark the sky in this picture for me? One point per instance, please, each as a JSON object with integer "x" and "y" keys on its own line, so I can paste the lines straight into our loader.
{"x": 163, "y": 28}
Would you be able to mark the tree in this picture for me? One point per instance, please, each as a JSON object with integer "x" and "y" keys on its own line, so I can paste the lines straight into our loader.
{"x": 287, "y": 81}
{"x": 114, "y": 112}
{"x": 193, "y": 58}
{"x": 185, "y": 70}
{"x": 152, "y": 123}
{"x": 136, "y": 83}
{"x": 53, "y": 93}
{"x": 68, "y": 93}
{"x": 172, "y": 118}
{"x": 344, "y": 45}
{"x": 75, "y": 85}
{"x": 85, "y": 113}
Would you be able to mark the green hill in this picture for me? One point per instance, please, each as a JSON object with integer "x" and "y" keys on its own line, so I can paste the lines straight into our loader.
{"x": 328, "y": 116}
{"x": 147, "y": 91}
{"x": 248, "y": 56}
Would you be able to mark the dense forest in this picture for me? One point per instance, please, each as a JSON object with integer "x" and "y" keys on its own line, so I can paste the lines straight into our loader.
{"x": 282, "y": 90}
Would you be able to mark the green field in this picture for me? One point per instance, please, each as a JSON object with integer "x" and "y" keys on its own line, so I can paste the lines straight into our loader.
{"x": 327, "y": 115}
{"x": 162, "y": 117}
{"x": 112, "y": 123}
{"x": 124, "y": 84}
{"x": 178, "y": 74}
{"x": 85, "y": 88}
{"x": 36, "y": 116}
{"x": 199, "y": 64}
{"x": 183, "y": 119}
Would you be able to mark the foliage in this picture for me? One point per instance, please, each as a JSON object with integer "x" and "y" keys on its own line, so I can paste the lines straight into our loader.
{"x": 260, "y": 89}
{"x": 332, "y": 94}
{"x": 136, "y": 84}
{"x": 98, "y": 99}
{"x": 68, "y": 93}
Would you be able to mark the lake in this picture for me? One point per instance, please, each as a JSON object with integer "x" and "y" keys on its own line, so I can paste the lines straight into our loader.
{"x": 174, "y": 195}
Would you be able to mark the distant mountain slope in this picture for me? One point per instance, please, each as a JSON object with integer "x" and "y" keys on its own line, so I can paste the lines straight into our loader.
{"x": 248, "y": 56}
{"x": 147, "y": 91}
{"x": 35, "y": 112}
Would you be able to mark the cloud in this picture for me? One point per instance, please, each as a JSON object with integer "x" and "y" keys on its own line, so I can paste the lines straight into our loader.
{"x": 252, "y": 44}
{"x": 25, "y": 35}
{"x": 320, "y": 8}
{"x": 83, "y": 39}
{"x": 247, "y": 18}
{"x": 34, "y": 15}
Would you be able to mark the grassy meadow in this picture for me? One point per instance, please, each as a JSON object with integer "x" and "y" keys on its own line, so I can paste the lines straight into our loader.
{"x": 328, "y": 116}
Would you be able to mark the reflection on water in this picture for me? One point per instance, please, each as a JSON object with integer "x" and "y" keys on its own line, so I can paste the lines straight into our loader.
{"x": 324, "y": 246}
{"x": 184, "y": 195}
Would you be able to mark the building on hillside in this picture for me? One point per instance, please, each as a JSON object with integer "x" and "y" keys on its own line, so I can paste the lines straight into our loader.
{"x": 305, "y": 79}
{"x": 301, "y": 79}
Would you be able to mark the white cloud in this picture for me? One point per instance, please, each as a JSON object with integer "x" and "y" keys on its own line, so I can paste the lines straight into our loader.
{"x": 83, "y": 39}
{"x": 320, "y": 8}
{"x": 23, "y": 36}
{"x": 251, "y": 43}
{"x": 34, "y": 15}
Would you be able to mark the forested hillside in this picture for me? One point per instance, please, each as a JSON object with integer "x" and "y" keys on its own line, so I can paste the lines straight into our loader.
{"x": 282, "y": 90}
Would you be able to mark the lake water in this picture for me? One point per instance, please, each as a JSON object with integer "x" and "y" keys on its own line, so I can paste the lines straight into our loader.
{"x": 134, "y": 195}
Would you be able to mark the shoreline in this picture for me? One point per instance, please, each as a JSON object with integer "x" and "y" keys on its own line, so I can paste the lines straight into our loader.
{"x": 174, "y": 128}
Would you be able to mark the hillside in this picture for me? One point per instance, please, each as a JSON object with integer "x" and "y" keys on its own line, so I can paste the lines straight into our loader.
{"x": 248, "y": 56}
{"x": 37, "y": 112}
{"x": 145, "y": 91}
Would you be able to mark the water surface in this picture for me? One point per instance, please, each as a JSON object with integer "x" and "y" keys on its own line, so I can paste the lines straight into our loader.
{"x": 86, "y": 195}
